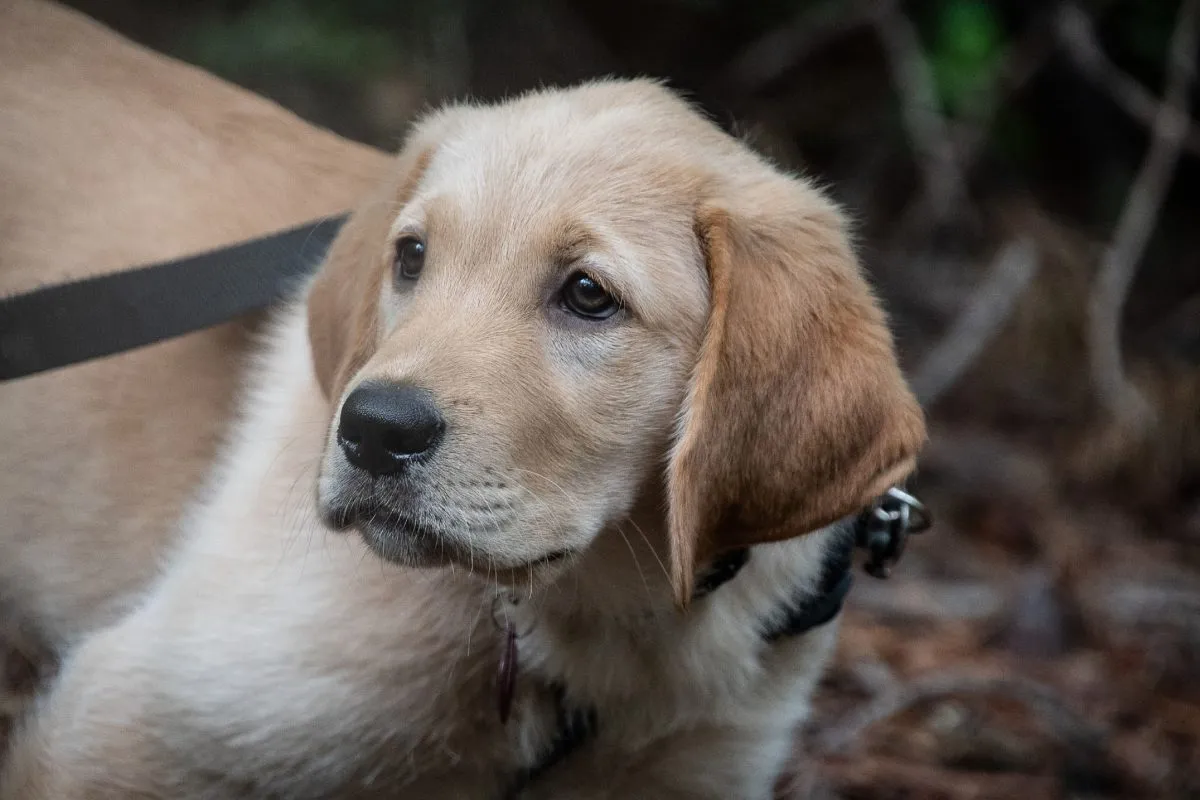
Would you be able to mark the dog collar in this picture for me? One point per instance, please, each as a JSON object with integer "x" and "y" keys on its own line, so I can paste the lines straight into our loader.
{"x": 882, "y": 529}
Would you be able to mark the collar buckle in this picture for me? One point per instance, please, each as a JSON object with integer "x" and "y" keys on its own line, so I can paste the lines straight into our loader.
{"x": 883, "y": 529}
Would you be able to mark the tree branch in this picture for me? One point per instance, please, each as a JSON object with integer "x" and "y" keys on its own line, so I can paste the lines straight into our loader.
{"x": 1065, "y": 723}
{"x": 927, "y": 130}
{"x": 1137, "y": 221}
{"x": 769, "y": 57}
{"x": 983, "y": 315}
{"x": 1078, "y": 38}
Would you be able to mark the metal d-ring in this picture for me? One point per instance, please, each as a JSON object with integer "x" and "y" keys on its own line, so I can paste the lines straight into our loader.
{"x": 883, "y": 529}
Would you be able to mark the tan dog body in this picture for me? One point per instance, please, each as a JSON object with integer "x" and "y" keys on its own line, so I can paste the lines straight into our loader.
{"x": 273, "y": 657}
{"x": 280, "y": 660}
{"x": 112, "y": 156}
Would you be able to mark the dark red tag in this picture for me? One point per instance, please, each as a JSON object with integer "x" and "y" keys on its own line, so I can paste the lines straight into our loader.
{"x": 507, "y": 678}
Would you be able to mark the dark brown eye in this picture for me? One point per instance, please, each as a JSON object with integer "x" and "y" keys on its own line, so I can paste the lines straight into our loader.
{"x": 410, "y": 257}
{"x": 583, "y": 296}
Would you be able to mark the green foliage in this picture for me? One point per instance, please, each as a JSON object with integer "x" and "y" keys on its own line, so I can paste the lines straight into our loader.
{"x": 289, "y": 36}
{"x": 323, "y": 39}
{"x": 965, "y": 55}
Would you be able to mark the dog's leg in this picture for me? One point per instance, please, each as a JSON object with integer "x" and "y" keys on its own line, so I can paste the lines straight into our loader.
{"x": 76, "y": 744}
{"x": 25, "y": 665}
{"x": 265, "y": 677}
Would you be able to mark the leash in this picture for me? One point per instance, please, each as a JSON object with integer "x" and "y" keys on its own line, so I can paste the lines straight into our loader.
{"x": 70, "y": 323}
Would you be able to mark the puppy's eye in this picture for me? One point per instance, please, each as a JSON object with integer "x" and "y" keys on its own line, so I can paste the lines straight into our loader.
{"x": 584, "y": 296}
{"x": 410, "y": 257}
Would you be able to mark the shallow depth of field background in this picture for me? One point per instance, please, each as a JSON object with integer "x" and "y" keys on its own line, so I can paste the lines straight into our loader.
{"x": 1024, "y": 176}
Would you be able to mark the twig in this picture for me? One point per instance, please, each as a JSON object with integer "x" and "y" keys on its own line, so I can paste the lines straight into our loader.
{"x": 874, "y": 675}
{"x": 1078, "y": 38}
{"x": 1052, "y": 712}
{"x": 976, "y": 462}
{"x": 766, "y": 59}
{"x": 929, "y": 600}
{"x": 1139, "y": 605}
{"x": 984, "y": 313}
{"x": 1135, "y": 224}
{"x": 927, "y": 130}
{"x": 890, "y": 777}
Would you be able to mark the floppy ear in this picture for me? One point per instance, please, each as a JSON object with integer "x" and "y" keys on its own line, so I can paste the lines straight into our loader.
{"x": 797, "y": 414}
{"x": 343, "y": 301}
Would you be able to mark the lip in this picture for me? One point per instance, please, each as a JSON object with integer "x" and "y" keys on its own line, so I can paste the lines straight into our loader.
{"x": 520, "y": 574}
{"x": 379, "y": 518}
{"x": 385, "y": 520}
{"x": 549, "y": 558}
{"x": 374, "y": 523}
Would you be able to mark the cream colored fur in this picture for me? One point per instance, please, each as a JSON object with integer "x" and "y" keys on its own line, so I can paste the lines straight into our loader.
{"x": 281, "y": 658}
{"x": 746, "y": 395}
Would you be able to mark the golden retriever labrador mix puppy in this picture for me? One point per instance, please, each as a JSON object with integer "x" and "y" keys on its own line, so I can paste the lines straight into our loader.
{"x": 570, "y": 355}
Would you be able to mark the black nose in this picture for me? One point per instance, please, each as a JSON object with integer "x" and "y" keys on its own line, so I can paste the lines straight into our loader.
{"x": 386, "y": 425}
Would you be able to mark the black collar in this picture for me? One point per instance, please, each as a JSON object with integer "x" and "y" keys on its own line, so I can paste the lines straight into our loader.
{"x": 806, "y": 610}
{"x": 809, "y": 610}
{"x": 882, "y": 530}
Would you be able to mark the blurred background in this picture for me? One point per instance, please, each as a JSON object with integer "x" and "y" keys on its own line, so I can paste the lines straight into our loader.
{"x": 1024, "y": 176}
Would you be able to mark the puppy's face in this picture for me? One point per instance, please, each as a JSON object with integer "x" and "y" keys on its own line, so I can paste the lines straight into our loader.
{"x": 515, "y": 332}
{"x": 540, "y": 299}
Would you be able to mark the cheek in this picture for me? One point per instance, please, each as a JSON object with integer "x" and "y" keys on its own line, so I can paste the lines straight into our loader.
{"x": 394, "y": 306}
{"x": 622, "y": 387}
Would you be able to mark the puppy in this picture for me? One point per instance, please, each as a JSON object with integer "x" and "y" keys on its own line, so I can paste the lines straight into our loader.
{"x": 571, "y": 350}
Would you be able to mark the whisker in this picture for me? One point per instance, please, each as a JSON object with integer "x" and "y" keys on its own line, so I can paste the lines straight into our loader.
{"x": 666, "y": 572}
{"x": 637, "y": 564}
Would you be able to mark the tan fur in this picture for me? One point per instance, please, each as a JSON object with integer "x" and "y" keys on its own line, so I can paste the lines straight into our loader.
{"x": 746, "y": 394}
{"x": 112, "y": 156}
{"x": 798, "y": 413}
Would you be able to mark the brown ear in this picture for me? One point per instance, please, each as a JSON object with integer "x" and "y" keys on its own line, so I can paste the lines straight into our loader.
{"x": 343, "y": 301}
{"x": 797, "y": 414}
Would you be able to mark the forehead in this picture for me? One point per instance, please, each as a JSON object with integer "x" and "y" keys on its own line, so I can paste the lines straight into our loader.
{"x": 546, "y": 177}
{"x": 554, "y": 153}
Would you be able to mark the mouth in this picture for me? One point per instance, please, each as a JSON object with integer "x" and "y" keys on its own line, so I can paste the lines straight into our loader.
{"x": 527, "y": 573}
{"x": 549, "y": 558}
{"x": 394, "y": 536}
{"x": 399, "y": 538}
{"x": 377, "y": 517}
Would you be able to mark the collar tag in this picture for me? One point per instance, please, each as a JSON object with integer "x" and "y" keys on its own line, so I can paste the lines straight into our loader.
{"x": 883, "y": 529}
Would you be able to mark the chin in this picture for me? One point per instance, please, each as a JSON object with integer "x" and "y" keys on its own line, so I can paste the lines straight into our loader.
{"x": 410, "y": 545}
{"x": 403, "y": 548}
{"x": 532, "y": 574}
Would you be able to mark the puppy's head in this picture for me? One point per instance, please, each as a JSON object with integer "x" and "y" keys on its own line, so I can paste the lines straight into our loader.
{"x": 566, "y": 302}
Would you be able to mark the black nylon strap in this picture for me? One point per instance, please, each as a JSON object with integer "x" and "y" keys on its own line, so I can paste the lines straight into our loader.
{"x": 68, "y": 323}
{"x": 813, "y": 610}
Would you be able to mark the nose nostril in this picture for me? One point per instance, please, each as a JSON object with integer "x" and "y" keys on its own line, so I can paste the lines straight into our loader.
{"x": 384, "y": 426}
{"x": 406, "y": 443}
{"x": 395, "y": 443}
